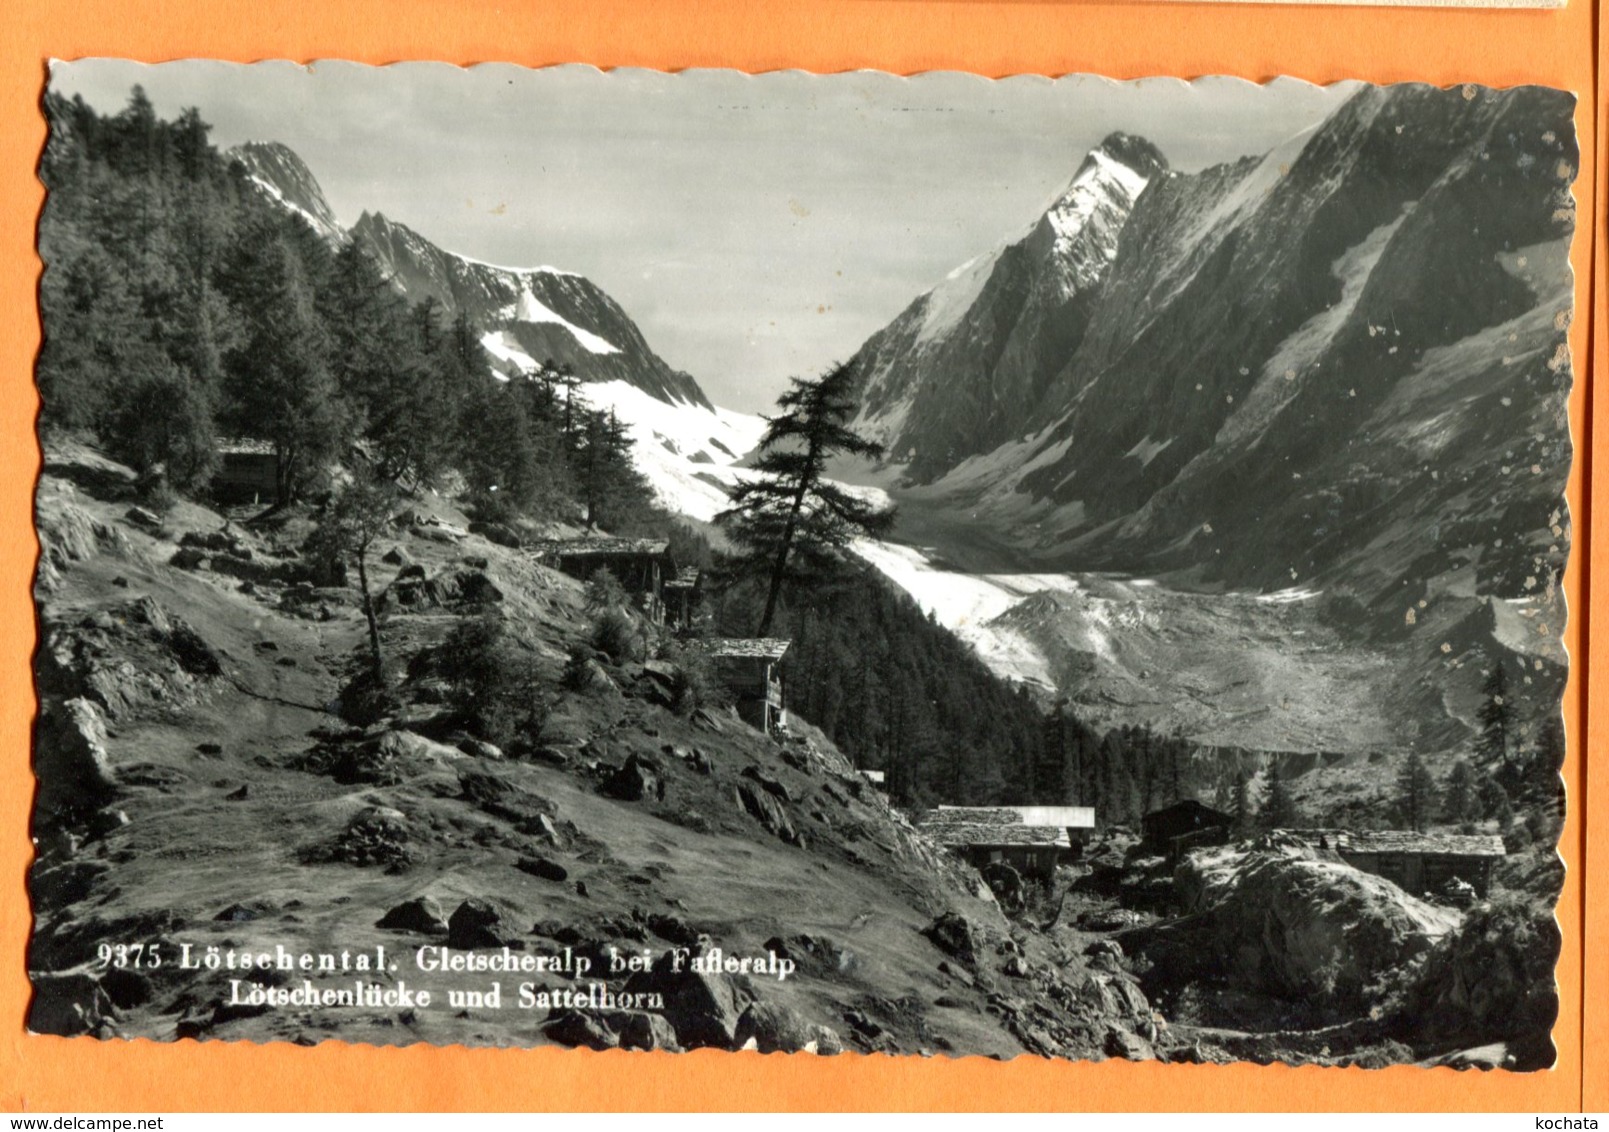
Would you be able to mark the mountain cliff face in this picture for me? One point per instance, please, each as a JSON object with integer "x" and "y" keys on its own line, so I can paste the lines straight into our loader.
{"x": 527, "y": 315}
{"x": 1344, "y": 361}
{"x": 285, "y": 178}
{"x": 961, "y": 369}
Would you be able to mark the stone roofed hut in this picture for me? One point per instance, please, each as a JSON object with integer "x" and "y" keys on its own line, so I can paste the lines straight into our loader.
{"x": 1077, "y": 821}
{"x": 1420, "y": 863}
{"x": 752, "y": 668}
{"x": 984, "y": 836}
{"x": 640, "y": 565}
{"x": 1031, "y": 839}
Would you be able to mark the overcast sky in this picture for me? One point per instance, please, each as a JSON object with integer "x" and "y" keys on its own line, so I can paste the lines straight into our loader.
{"x": 753, "y": 226}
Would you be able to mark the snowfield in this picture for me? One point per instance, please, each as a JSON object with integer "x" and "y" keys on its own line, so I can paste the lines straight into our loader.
{"x": 528, "y": 308}
{"x": 969, "y": 604}
{"x": 686, "y": 451}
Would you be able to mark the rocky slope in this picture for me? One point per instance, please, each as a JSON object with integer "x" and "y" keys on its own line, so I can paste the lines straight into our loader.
{"x": 199, "y": 787}
{"x": 1272, "y": 950}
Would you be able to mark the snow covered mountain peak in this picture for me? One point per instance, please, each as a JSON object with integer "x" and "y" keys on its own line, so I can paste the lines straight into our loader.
{"x": 1084, "y": 222}
{"x": 960, "y": 371}
{"x": 284, "y": 177}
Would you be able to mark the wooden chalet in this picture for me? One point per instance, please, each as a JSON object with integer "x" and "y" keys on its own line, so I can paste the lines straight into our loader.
{"x": 997, "y": 835}
{"x": 248, "y": 471}
{"x": 751, "y": 668}
{"x": 1185, "y": 825}
{"x": 1418, "y": 863}
{"x": 640, "y": 565}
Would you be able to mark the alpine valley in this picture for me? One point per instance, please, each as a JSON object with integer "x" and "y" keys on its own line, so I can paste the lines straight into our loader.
{"x": 1200, "y": 702}
{"x": 1295, "y": 424}
{"x": 1271, "y": 454}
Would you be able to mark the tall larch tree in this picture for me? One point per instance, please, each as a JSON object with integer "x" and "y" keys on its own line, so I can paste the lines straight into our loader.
{"x": 791, "y": 518}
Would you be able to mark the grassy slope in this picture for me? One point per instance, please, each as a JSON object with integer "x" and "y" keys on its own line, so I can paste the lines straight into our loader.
{"x": 189, "y": 851}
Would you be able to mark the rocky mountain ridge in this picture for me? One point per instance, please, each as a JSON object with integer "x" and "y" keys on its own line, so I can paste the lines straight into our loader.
{"x": 1288, "y": 364}
{"x": 527, "y": 316}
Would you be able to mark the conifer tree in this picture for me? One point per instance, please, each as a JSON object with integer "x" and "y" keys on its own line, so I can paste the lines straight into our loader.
{"x": 1279, "y": 809}
{"x": 1545, "y": 764}
{"x": 279, "y": 383}
{"x": 1496, "y": 720}
{"x": 1461, "y": 800}
{"x": 1416, "y": 792}
{"x": 1245, "y": 817}
{"x": 790, "y": 516}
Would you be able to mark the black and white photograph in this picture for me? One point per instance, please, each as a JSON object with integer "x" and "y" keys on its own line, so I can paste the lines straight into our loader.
{"x": 932, "y": 565}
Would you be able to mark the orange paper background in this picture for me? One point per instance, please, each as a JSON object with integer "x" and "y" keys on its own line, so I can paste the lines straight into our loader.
{"x": 1499, "y": 48}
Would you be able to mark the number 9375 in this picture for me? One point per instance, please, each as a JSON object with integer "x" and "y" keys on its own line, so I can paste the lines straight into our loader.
{"x": 122, "y": 955}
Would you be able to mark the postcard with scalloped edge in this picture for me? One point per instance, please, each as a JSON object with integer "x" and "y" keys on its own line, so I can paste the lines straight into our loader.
{"x": 814, "y": 563}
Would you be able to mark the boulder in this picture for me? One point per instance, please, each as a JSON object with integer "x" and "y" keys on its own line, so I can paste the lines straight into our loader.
{"x": 68, "y": 534}
{"x": 242, "y": 912}
{"x": 480, "y": 749}
{"x": 1289, "y": 924}
{"x": 376, "y": 835}
{"x": 671, "y": 929}
{"x": 387, "y": 759}
{"x": 1491, "y": 980}
{"x": 579, "y": 1028}
{"x": 767, "y": 782}
{"x": 422, "y": 914}
{"x": 1127, "y": 1045}
{"x": 956, "y": 936}
{"x": 70, "y": 758}
{"x": 145, "y": 518}
{"x": 475, "y": 923}
{"x": 470, "y": 587}
{"x": 551, "y": 755}
{"x": 636, "y": 781}
{"x": 645, "y": 1030}
{"x": 497, "y": 533}
{"x": 816, "y": 955}
{"x": 396, "y": 556}
{"x": 248, "y": 568}
{"x": 708, "y": 720}
{"x": 764, "y": 808}
{"x": 703, "y": 1009}
{"x": 189, "y": 558}
{"x": 213, "y": 540}
{"x": 498, "y": 795}
{"x": 1105, "y": 947}
{"x": 542, "y": 868}
{"x": 194, "y": 655}
{"x": 548, "y": 830}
